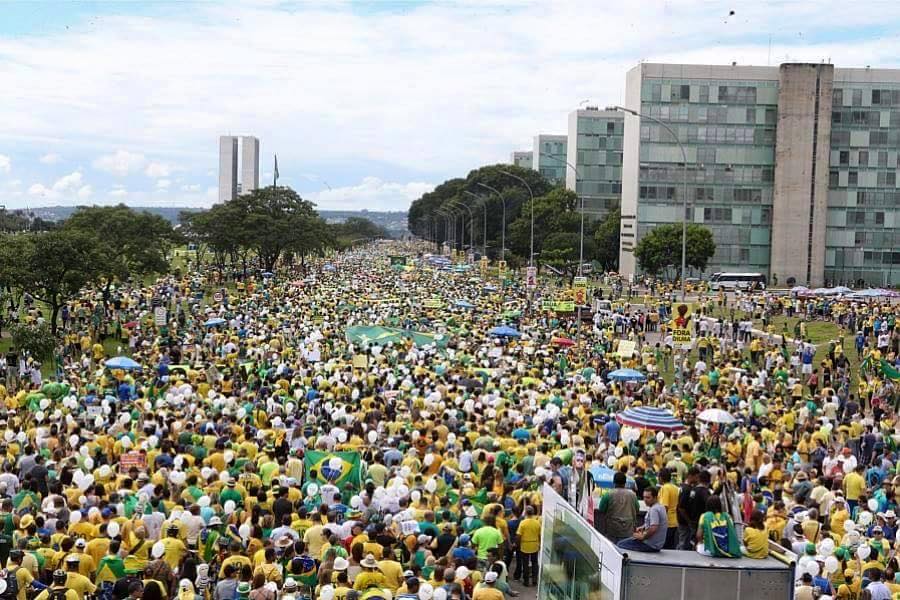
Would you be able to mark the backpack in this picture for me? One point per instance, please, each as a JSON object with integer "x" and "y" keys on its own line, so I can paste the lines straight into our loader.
{"x": 57, "y": 593}
{"x": 12, "y": 584}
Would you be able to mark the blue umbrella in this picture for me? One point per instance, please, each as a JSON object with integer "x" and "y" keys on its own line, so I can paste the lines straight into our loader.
{"x": 122, "y": 362}
{"x": 603, "y": 476}
{"x": 268, "y": 274}
{"x": 650, "y": 417}
{"x": 504, "y": 331}
{"x": 626, "y": 375}
{"x": 464, "y": 304}
{"x": 214, "y": 322}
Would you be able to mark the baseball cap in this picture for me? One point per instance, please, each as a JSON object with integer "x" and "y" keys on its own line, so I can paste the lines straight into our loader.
{"x": 490, "y": 577}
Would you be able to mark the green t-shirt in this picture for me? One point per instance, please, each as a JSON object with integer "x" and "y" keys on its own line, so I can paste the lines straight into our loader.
{"x": 486, "y": 538}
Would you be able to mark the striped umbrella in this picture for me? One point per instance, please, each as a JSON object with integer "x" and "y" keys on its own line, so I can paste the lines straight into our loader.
{"x": 650, "y": 417}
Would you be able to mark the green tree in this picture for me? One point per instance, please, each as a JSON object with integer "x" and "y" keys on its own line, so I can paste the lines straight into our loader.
{"x": 554, "y": 212}
{"x": 423, "y": 219}
{"x": 660, "y": 249}
{"x": 354, "y": 229}
{"x": 561, "y": 249}
{"x": 606, "y": 238}
{"x": 37, "y": 339}
{"x": 55, "y": 266}
{"x": 135, "y": 243}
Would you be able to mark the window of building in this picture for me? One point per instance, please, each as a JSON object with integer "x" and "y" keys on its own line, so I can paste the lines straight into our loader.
{"x": 856, "y": 98}
{"x": 610, "y": 128}
{"x": 852, "y": 178}
{"x": 882, "y": 158}
{"x": 863, "y": 158}
{"x": 770, "y": 116}
{"x": 837, "y": 97}
{"x": 685, "y": 92}
{"x": 751, "y": 115}
{"x": 879, "y": 218}
{"x": 656, "y": 92}
{"x": 704, "y": 94}
{"x": 876, "y": 96}
{"x": 878, "y": 138}
{"x": 833, "y": 178}
{"x": 844, "y": 157}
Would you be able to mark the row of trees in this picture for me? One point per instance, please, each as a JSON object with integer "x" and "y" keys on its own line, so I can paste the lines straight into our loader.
{"x": 269, "y": 225}
{"x": 557, "y": 223}
{"x": 95, "y": 247}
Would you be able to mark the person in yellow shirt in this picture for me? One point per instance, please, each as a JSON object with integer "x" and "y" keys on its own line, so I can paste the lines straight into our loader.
{"x": 668, "y": 497}
{"x": 174, "y": 547}
{"x": 529, "y": 536}
{"x": 854, "y": 486}
{"x": 756, "y": 536}
{"x": 59, "y": 583}
{"x": 23, "y": 574}
{"x": 75, "y": 580}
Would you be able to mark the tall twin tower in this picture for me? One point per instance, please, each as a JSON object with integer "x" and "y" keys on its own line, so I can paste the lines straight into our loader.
{"x": 228, "y": 166}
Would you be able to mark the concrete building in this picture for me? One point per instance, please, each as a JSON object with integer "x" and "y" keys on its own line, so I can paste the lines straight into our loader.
{"x": 778, "y": 159}
{"x": 249, "y": 164}
{"x": 594, "y": 148}
{"x": 549, "y": 157}
{"x": 229, "y": 187}
{"x": 521, "y": 159}
{"x": 228, "y": 165}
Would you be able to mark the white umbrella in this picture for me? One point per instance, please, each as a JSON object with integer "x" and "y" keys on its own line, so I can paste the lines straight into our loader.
{"x": 716, "y": 415}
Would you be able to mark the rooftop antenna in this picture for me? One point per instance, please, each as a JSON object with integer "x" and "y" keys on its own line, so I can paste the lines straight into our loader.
{"x": 769, "y": 57}
{"x": 583, "y": 102}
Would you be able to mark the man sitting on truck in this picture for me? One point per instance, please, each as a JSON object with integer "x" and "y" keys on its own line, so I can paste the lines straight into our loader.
{"x": 651, "y": 537}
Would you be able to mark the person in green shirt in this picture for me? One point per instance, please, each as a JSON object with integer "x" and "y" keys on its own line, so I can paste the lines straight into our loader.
{"x": 111, "y": 567}
{"x": 487, "y": 537}
{"x": 717, "y": 532}
{"x": 230, "y": 493}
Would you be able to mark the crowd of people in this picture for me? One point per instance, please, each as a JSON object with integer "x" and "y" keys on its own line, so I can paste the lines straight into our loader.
{"x": 189, "y": 473}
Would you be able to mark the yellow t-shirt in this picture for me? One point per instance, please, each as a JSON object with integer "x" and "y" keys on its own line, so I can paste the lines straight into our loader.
{"x": 854, "y": 484}
{"x": 757, "y": 542}
{"x": 668, "y": 497}
{"x": 529, "y": 533}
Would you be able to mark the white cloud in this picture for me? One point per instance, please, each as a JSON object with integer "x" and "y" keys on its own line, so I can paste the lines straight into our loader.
{"x": 121, "y": 163}
{"x": 372, "y": 193}
{"x": 64, "y": 187}
{"x": 190, "y": 188}
{"x": 118, "y": 192}
{"x": 163, "y": 184}
{"x": 156, "y": 170}
{"x": 5, "y": 164}
{"x": 328, "y": 75}
{"x": 85, "y": 192}
{"x": 50, "y": 159}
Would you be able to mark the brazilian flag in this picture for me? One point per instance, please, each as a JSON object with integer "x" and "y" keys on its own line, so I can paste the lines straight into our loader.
{"x": 479, "y": 500}
{"x": 324, "y": 463}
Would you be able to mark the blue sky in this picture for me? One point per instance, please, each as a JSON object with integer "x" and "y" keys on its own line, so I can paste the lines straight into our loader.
{"x": 368, "y": 104}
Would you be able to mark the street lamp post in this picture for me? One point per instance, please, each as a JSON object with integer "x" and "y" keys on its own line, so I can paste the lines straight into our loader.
{"x": 460, "y": 203}
{"x": 503, "y": 228}
{"x": 484, "y": 227}
{"x": 528, "y": 187}
{"x": 683, "y": 192}
{"x": 581, "y": 233}
{"x": 531, "y": 247}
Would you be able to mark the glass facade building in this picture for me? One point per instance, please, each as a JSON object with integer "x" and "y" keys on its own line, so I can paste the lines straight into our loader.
{"x": 594, "y": 148}
{"x": 793, "y": 168}
{"x": 862, "y": 244}
{"x": 521, "y": 159}
{"x": 549, "y": 157}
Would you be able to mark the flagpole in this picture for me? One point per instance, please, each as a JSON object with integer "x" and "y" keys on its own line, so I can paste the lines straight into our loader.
{"x": 275, "y": 174}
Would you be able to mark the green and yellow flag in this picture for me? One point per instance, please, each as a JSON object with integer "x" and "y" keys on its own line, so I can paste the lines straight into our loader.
{"x": 338, "y": 468}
